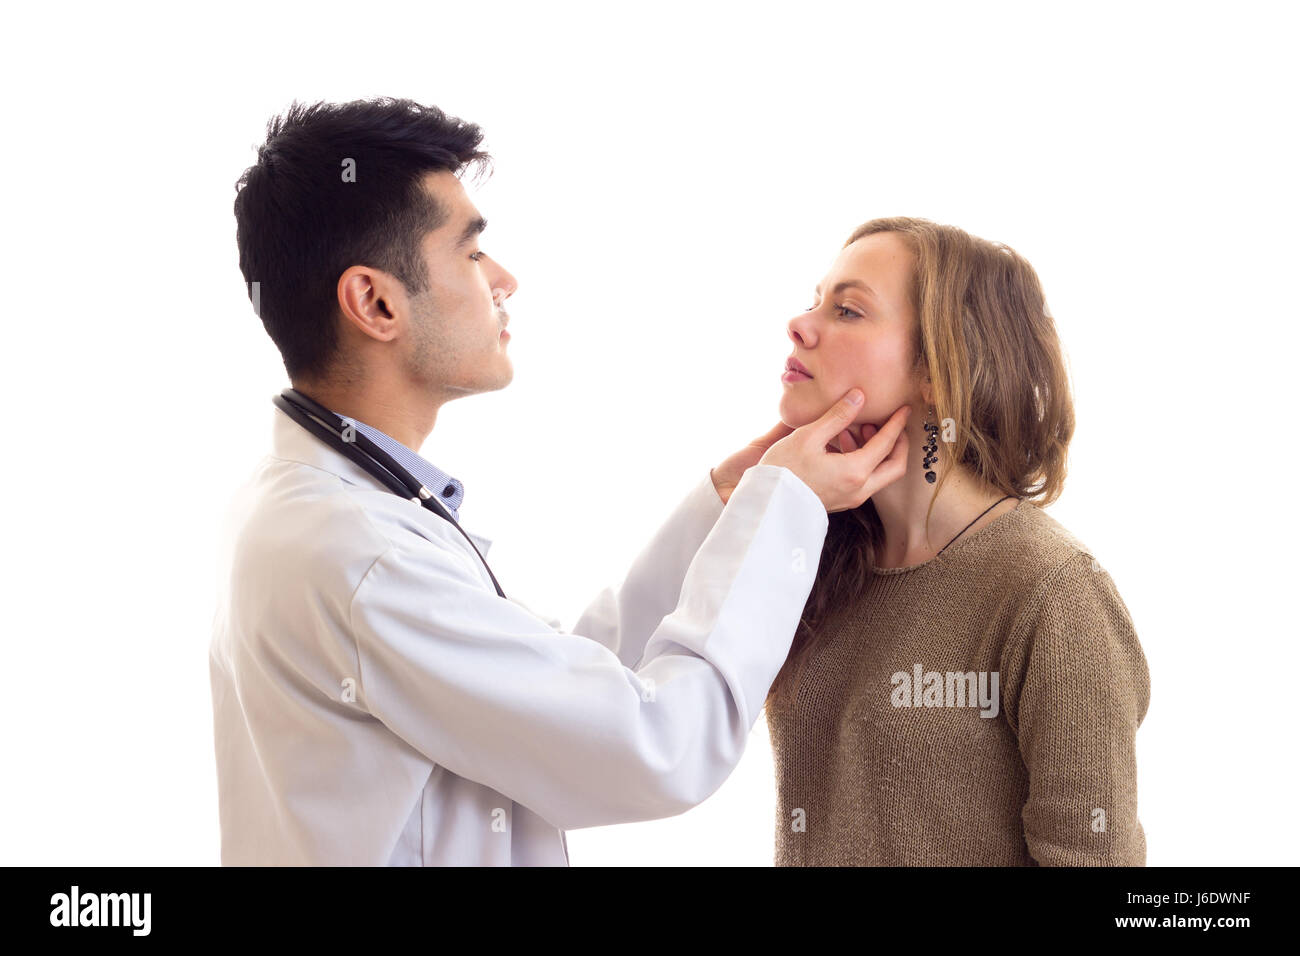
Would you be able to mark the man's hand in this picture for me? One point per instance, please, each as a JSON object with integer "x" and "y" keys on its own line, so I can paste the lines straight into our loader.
{"x": 847, "y": 478}
{"x": 851, "y": 439}
{"x": 728, "y": 474}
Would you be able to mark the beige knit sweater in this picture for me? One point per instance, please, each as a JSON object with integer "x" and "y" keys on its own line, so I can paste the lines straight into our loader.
{"x": 884, "y": 759}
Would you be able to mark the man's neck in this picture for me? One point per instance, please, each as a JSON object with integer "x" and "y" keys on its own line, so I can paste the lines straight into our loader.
{"x": 408, "y": 420}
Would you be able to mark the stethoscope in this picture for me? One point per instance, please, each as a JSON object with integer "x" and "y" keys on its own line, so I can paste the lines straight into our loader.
{"x": 329, "y": 428}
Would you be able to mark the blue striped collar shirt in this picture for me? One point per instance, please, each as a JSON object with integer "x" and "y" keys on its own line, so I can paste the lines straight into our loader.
{"x": 449, "y": 492}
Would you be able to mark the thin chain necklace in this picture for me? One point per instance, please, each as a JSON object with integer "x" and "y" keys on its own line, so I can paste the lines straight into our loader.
{"x": 977, "y": 518}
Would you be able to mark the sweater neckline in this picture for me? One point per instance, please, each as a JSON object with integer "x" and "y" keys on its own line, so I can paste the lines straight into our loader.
{"x": 962, "y": 542}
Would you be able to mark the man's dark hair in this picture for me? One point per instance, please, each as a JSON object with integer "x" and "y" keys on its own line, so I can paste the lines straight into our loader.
{"x": 338, "y": 185}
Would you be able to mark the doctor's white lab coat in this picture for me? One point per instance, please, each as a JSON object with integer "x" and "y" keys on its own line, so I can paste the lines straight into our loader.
{"x": 376, "y": 702}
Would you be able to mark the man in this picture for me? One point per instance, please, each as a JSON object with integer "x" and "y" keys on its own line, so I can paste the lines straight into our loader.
{"x": 375, "y": 700}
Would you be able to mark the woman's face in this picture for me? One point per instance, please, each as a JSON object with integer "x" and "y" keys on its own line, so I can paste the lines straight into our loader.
{"x": 856, "y": 336}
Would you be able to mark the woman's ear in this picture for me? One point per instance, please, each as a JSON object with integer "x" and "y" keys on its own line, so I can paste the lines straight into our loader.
{"x": 927, "y": 389}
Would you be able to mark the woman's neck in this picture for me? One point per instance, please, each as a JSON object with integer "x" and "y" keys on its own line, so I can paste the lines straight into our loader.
{"x": 902, "y": 507}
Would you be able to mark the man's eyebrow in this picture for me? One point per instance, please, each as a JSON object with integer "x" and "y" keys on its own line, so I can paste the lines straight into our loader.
{"x": 473, "y": 229}
{"x": 848, "y": 284}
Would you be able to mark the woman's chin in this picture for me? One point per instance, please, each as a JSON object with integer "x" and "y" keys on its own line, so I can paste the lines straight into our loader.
{"x": 795, "y": 413}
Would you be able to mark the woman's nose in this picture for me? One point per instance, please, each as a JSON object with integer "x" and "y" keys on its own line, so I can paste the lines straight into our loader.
{"x": 801, "y": 333}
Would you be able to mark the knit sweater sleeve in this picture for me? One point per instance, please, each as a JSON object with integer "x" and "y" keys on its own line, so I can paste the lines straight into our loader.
{"x": 1078, "y": 688}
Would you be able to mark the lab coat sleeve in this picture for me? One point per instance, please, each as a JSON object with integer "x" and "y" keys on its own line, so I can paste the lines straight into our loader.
{"x": 623, "y": 618}
{"x": 555, "y": 721}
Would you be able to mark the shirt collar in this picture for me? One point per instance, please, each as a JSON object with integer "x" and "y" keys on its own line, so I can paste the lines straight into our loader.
{"x": 291, "y": 442}
{"x": 448, "y": 490}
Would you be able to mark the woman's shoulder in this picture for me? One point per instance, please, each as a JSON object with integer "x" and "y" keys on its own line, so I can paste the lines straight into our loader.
{"x": 1035, "y": 547}
{"x": 1068, "y": 623}
{"x": 1054, "y": 573}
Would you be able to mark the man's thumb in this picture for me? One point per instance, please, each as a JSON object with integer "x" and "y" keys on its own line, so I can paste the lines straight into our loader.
{"x": 774, "y": 435}
{"x": 837, "y": 417}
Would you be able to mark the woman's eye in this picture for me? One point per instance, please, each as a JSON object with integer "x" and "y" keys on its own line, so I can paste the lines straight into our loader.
{"x": 838, "y": 308}
{"x": 476, "y": 256}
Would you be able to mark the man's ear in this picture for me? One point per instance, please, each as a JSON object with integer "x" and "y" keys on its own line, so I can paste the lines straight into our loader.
{"x": 368, "y": 299}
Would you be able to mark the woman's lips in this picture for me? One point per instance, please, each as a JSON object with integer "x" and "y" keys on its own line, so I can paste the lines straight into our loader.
{"x": 795, "y": 371}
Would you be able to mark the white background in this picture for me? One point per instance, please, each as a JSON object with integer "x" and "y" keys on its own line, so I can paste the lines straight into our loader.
{"x": 670, "y": 185}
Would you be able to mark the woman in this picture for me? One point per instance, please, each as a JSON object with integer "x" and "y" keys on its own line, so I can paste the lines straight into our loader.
{"x": 966, "y": 684}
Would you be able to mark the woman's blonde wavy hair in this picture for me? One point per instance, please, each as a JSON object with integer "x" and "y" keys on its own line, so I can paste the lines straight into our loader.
{"x": 986, "y": 339}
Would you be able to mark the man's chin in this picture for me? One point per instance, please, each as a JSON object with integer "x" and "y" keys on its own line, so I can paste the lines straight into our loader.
{"x": 478, "y": 387}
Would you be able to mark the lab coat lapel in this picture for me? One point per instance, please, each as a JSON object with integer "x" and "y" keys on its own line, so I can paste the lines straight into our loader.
{"x": 292, "y": 442}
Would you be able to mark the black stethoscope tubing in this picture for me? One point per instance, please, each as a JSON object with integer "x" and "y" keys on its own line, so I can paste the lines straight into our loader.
{"x": 376, "y": 462}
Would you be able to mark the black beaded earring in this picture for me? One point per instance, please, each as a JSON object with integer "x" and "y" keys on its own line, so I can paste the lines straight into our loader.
{"x": 931, "y": 450}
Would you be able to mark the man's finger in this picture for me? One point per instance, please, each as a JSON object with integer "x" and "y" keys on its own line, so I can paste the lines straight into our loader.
{"x": 882, "y": 442}
{"x": 774, "y": 435}
{"x": 838, "y": 417}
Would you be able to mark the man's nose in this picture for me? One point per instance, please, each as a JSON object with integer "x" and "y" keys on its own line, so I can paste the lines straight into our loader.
{"x": 504, "y": 287}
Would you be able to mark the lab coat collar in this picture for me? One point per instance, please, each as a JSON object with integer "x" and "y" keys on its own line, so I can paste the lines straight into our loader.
{"x": 291, "y": 442}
